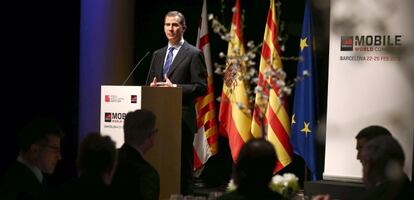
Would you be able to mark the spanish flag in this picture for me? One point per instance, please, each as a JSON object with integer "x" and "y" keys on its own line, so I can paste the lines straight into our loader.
{"x": 235, "y": 115}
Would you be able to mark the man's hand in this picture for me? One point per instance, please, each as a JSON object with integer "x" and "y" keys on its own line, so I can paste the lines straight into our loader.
{"x": 154, "y": 82}
{"x": 167, "y": 83}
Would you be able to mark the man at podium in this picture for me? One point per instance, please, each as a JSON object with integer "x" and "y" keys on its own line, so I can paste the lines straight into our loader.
{"x": 180, "y": 64}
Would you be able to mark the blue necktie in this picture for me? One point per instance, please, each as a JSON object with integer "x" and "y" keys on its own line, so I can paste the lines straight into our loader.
{"x": 168, "y": 62}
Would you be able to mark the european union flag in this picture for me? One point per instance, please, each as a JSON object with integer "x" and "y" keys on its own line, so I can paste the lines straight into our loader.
{"x": 303, "y": 118}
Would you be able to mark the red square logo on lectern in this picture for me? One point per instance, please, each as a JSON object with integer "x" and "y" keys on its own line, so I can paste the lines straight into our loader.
{"x": 107, "y": 98}
{"x": 134, "y": 99}
{"x": 108, "y": 117}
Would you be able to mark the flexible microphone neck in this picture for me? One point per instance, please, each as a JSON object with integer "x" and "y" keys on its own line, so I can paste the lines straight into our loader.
{"x": 146, "y": 54}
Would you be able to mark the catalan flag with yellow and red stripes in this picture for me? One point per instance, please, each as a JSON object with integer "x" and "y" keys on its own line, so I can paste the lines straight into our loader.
{"x": 205, "y": 140}
{"x": 270, "y": 116}
{"x": 235, "y": 115}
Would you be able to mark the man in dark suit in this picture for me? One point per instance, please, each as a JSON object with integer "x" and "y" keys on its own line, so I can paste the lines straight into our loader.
{"x": 39, "y": 146}
{"x": 179, "y": 64}
{"x": 134, "y": 177}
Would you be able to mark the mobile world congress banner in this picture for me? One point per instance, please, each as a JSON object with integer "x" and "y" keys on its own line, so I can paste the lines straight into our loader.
{"x": 370, "y": 80}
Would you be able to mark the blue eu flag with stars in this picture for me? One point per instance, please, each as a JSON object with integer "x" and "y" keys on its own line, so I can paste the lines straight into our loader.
{"x": 303, "y": 124}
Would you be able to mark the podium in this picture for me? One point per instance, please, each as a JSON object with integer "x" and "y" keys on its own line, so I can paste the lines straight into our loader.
{"x": 165, "y": 155}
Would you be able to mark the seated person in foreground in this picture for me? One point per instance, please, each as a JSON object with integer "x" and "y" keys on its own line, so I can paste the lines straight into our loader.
{"x": 96, "y": 163}
{"x": 39, "y": 146}
{"x": 366, "y": 135}
{"x": 382, "y": 161}
{"x": 253, "y": 172}
{"x": 135, "y": 177}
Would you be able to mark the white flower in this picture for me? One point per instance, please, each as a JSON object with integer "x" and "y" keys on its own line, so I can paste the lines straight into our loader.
{"x": 278, "y": 179}
{"x": 222, "y": 55}
{"x": 231, "y": 186}
{"x": 286, "y": 185}
{"x": 305, "y": 73}
{"x": 210, "y": 16}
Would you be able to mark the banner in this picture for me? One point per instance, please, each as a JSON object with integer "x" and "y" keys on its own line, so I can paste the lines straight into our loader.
{"x": 370, "y": 80}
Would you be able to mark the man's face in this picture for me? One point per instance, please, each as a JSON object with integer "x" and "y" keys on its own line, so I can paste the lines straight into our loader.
{"x": 360, "y": 144}
{"x": 173, "y": 29}
{"x": 49, "y": 154}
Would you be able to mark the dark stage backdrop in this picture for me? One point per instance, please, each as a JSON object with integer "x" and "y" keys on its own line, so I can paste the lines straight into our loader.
{"x": 39, "y": 63}
{"x": 40, "y": 43}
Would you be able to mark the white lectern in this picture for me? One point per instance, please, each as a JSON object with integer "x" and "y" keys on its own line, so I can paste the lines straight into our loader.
{"x": 165, "y": 155}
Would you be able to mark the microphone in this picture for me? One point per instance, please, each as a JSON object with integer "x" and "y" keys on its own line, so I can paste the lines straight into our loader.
{"x": 146, "y": 54}
{"x": 148, "y": 82}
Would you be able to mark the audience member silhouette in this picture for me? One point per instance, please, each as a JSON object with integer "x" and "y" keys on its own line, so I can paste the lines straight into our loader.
{"x": 135, "y": 177}
{"x": 96, "y": 163}
{"x": 367, "y": 134}
{"x": 39, "y": 152}
{"x": 382, "y": 161}
{"x": 253, "y": 172}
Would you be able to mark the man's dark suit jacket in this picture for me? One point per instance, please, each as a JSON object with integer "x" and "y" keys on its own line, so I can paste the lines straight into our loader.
{"x": 399, "y": 189}
{"x": 188, "y": 71}
{"x": 20, "y": 183}
{"x": 135, "y": 178}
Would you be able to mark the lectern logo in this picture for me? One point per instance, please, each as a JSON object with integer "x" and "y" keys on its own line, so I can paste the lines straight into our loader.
{"x": 347, "y": 43}
{"x": 114, "y": 117}
{"x": 134, "y": 99}
{"x": 107, "y": 98}
{"x": 108, "y": 117}
{"x": 114, "y": 98}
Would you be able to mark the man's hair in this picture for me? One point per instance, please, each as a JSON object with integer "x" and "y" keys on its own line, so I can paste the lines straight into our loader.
{"x": 97, "y": 154}
{"x": 138, "y": 126}
{"x": 382, "y": 153}
{"x": 180, "y": 15}
{"x": 371, "y": 132}
{"x": 37, "y": 132}
{"x": 256, "y": 162}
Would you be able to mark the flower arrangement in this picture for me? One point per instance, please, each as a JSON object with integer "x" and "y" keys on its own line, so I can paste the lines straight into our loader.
{"x": 286, "y": 185}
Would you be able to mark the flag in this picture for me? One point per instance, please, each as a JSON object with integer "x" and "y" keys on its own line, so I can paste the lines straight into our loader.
{"x": 303, "y": 118}
{"x": 234, "y": 115}
{"x": 270, "y": 116}
{"x": 205, "y": 140}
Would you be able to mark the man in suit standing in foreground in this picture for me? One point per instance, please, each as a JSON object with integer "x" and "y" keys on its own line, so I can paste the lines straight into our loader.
{"x": 180, "y": 64}
{"x": 39, "y": 146}
{"x": 134, "y": 176}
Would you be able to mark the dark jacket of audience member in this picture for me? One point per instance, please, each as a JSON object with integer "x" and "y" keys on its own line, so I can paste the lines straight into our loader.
{"x": 383, "y": 161}
{"x": 135, "y": 177}
{"x": 253, "y": 172}
{"x": 96, "y": 164}
{"x": 39, "y": 152}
